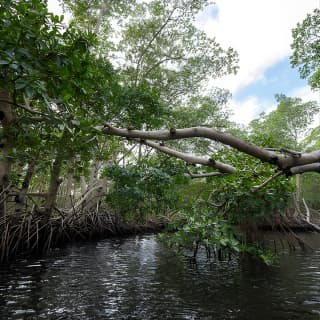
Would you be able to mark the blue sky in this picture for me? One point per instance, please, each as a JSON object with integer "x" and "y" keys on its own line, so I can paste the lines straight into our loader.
{"x": 279, "y": 78}
{"x": 260, "y": 31}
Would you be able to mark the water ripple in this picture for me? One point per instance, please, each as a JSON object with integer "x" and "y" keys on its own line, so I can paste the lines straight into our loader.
{"x": 139, "y": 278}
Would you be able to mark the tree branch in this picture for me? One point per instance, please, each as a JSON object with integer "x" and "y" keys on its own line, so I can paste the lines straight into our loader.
{"x": 205, "y": 175}
{"x": 262, "y": 185}
{"x": 24, "y": 107}
{"x": 192, "y": 159}
{"x": 312, "y": 167}
{"x": 199, "y": 132}
{"x": 284, "y": 162}
{"x": 295, "y": 154}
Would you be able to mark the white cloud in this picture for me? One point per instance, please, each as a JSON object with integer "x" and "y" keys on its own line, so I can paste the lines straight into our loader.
{"x": 250, "y": 108}
{"x": 305, "y": 93}
{"x": 259, "y": 30}
{"x": 244, "y": 111}
{"x": 54, "y": 6}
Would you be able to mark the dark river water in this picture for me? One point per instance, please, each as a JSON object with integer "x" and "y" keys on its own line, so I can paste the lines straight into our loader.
{"x": 140, "y": 278}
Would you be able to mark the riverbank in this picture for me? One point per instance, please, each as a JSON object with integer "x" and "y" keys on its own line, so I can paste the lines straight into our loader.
{"x": 36, "y": 233}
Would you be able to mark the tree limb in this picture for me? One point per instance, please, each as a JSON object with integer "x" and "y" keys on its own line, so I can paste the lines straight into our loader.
{"x": 312, "y": 167}
{"x": 24, "y": 107}
{"x": 192, "y": 159}
{"x": 284, "y": 162}
{"x": 295, "y": 154}
{"x": 199, "y": 132}
{"x": 205, "y": 175}
{"x": 262, "y": 185}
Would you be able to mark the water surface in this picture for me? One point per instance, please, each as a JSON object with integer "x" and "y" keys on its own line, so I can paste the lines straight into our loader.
{"x": 140, "y": 278}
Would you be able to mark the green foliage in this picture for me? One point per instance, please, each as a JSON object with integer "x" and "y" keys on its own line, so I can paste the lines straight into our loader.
{"x": 312, "y": 141}
{"x": 157, "y": 42}
{"x": 239, "y": 201}
{"x": 310, "y": 181}
{"x": 209, "y": 111}
{"x": 306, "y": 48}
{"x": 202, "y": 225}
{"x": 140, "y": 107}
{"x": 285, "y": 126}
{"x": 288, "y": 127}
{"x": 218, "y": 218}
{"x": 62, "y": 85}
{"x": 163, "y": 46}
{"x": 64, "y": 82}
{"x": 146, "y": 189}
{"x": 61, "y": 88}
{"x": 310, "y": 189}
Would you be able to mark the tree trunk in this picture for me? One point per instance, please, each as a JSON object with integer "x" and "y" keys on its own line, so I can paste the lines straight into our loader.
{"x": 93, "y": 173}
{"x": 298, "y": 190}
{"x": 7, "y": 119}
{"x": 83, "y": 184}
{"x": 26, "y": 182}
{"x": 90, "y": 200}
{"x": 53, "y": 185}
{"x": 68, "y": 192}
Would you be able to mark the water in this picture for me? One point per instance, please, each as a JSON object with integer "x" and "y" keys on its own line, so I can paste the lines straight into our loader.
{"x": 139, "y": 278}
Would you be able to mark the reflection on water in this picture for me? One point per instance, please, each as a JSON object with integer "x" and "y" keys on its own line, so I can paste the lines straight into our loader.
{"x": 139, "y": 278}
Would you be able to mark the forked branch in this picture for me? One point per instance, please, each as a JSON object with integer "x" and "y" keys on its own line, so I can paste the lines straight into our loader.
{"x": 290, "y": 163}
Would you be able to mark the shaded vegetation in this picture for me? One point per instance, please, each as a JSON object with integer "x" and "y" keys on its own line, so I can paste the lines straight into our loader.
{"x": 62, "y": 179}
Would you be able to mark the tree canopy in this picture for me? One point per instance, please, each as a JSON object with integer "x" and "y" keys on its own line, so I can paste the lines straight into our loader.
{"x": 306, "y": 48}
{"x": 140, "y": 70}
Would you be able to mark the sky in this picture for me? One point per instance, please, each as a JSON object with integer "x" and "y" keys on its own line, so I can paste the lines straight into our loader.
{"x": 260, "y": 31}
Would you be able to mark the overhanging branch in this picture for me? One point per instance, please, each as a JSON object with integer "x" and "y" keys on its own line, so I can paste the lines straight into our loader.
{"x": 312, "y": 167}
{"x": 192, "y": 159}
{"x": 199, "y": 132}
{"x": 289, "y": 163}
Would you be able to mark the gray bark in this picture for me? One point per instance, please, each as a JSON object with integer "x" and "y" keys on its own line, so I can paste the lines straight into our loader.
{"x": 53, "y": 185}
{"x": 26, "y": 182}
{"x": 7, "y": 118}
{"x": 289, "y": 164}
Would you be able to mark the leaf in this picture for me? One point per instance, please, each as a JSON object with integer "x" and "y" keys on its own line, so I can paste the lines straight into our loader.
{"x": 75, "y": 123}
{"x": 29, "y": 92}
{"x": 20, "y": 85}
